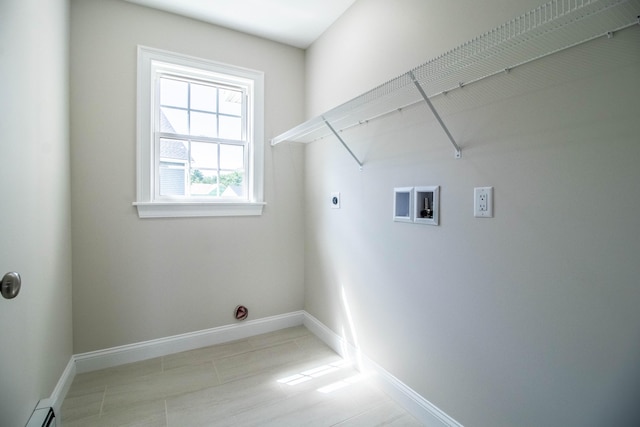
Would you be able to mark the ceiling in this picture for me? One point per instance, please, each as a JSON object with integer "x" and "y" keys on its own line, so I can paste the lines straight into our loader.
{"x": 294, "y": 22}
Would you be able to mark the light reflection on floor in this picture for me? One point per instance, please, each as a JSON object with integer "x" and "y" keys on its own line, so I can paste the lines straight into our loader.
{"x": 323, "y": 370}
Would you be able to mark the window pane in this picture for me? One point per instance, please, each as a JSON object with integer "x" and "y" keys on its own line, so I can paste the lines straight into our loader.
{"x": 172, "y": 179}
{"x": 231, "y": 128}
{"x": 204, "y": 155}
{"x": 173, "y": 93}
{"x": 173, "y": 149}
{"x": 232, "y": 184}
{"x": 231, "y": 102}
{"x": 231, "y": 157}
{"x": 204, "y": 183}
{"x": 203, "y": 97}
{"x": 203, "y": 124}
{"x": 174, "y": 121}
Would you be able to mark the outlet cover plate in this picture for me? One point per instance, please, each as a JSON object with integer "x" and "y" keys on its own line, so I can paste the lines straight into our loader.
{"x": 483, "y": 202}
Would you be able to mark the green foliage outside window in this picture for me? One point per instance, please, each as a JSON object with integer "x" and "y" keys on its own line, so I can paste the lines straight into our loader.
{"x": 226, "y": 180}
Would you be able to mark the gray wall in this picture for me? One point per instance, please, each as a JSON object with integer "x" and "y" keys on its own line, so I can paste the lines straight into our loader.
{"x": 529, "y": 318}
{"x": 136, "y": 280}
{"x": 526, "y": 319}
{"x": 35, "y": 232}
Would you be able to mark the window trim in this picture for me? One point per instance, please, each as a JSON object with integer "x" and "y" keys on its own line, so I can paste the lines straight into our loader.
{"x": 146, "y": 204}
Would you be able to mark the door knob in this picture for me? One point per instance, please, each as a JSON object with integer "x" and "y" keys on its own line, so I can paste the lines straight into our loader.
{"x": 10, "y": 287}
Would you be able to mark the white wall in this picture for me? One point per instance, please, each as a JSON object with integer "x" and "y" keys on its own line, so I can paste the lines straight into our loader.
{"x": 377, "y": 40}
{"x": 35, "y": 232}
{"x": 134, "y": 279}
{"x": 527, "y": 319}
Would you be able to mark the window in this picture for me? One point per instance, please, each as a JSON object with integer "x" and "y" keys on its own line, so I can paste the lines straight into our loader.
{"x": 200, "y": 133}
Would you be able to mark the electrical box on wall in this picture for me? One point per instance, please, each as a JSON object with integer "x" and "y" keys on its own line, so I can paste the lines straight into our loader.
{"x": 335, "y": 200}
{"x": 403, "y": 204}
{"x": 427, "y": 205}
{"x": 420, "y": 205}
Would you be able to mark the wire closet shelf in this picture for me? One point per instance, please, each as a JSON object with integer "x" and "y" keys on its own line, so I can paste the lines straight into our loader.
{"x": 555, "y": 26}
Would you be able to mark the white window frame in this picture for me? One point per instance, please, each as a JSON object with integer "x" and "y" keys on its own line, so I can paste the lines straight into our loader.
{"x": 147, "y": 202}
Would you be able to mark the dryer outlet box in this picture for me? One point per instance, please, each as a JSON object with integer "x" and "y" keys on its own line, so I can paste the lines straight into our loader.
{"x": 335, "y": 200}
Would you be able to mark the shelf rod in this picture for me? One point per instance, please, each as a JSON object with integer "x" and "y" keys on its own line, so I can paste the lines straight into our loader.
{"x": 435, "y": 113}
{"x": 541, "y": 56}
{"x": 486, "y": 76}
{"x": 289, "y": 134}
{"x": 344, "y": 144}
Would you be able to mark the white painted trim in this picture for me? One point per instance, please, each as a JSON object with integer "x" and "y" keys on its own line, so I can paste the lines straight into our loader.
{"x": 425, "y": 411}
{"x": 419, "y": 407}
{"x": 61, "y": 389}
{"x": 150, "y": 59}
{"x": 330, "y": 338}
{"x": 413, "y": 402}
{"x": 107, "y": 358}
{"x": 197, "y": 209}
{"x": 63, "y": 386}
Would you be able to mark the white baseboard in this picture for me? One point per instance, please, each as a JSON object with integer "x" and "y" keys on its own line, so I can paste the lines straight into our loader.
{"x": 419, "y": 407}
{"x": 101, "y": 359}
{"x": 61, "y": 389}
{"x": 426, "y": 412}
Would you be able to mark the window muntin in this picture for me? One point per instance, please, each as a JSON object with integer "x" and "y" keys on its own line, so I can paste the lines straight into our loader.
{"x": 198, "y": 123}
{"x": 203, "y": 125}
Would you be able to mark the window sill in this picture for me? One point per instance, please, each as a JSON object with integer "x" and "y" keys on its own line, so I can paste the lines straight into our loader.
{"x": 197, "y": 209}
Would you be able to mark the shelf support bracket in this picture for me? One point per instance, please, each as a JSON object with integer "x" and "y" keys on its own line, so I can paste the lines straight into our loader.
{"x": 435, "y": 113}
{"x": 344, "y": 144}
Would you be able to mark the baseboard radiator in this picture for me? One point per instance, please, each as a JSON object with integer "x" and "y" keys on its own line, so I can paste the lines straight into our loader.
{"x": 43, "y": 416}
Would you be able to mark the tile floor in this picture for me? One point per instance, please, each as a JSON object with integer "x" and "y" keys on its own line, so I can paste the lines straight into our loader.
{"x": 284, "y": 378}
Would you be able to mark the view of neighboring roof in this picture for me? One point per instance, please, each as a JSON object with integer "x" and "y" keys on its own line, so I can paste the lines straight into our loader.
{"x": 169, "y": 148}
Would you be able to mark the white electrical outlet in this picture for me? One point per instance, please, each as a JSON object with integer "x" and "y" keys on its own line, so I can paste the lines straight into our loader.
{"x": 335, "y": 200}
{"x": 483, "y": 202}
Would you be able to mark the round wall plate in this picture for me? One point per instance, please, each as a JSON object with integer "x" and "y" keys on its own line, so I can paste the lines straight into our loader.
{"x": 241, "y": 312}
